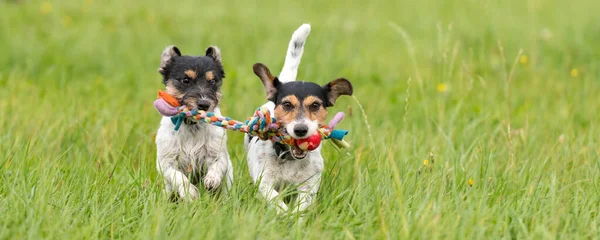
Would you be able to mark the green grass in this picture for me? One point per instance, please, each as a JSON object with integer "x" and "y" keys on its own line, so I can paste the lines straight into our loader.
{"x": 77, "y": 80}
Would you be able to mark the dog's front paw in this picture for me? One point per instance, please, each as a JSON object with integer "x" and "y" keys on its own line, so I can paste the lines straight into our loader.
{"x": 212, "y": 181}
{"x": 188, "y": 193}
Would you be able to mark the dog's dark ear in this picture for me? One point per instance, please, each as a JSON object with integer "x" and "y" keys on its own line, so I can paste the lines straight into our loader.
{"x": 167, "y": 55}
{"x": 337, "y": 88}
{"x": 214, "y": 52}
{"x": 270, "y": 82}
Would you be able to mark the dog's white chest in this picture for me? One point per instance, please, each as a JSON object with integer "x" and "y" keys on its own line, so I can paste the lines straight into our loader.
{"x": 263, "y": 161}
{"x": 191, "y": 146}
{"x": 295, "y": 171}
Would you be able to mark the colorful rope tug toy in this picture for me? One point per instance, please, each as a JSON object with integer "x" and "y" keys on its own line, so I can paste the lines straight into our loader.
{"x": 261, "y": 125}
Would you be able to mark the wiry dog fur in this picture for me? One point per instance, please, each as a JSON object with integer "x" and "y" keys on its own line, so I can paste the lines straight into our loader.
{"x": 196, "y": 152}
{"x": 301, "y": 108}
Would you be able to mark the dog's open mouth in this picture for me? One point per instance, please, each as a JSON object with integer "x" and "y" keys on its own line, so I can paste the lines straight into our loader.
{"x": 298, "y": 153}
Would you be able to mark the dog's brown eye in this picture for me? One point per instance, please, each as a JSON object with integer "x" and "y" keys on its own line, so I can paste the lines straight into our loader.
{"x": 315, "y": 107}
{"x": 288, "y": 106}
{"x": 185, "y": 80}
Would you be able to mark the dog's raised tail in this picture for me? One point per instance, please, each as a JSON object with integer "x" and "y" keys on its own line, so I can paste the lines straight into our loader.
{"x": 294, "y": 54}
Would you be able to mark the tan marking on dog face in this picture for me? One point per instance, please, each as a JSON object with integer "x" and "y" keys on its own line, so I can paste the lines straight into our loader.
{"x": 172, "y": 90}
{"x": 191, "y": 74}
{"x": 319, "y": 115}
{"x": 191, "y": 102}
{"x": 285, "y": 116}
{"x": 209, "y": 76}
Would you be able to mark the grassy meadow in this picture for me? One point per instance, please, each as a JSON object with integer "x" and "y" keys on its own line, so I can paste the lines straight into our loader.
{"x": 504, "y": 94}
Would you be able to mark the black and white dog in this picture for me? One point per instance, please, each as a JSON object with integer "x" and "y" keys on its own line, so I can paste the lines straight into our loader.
{"x": 301, "y": 107}
{"x": 196, "y": 152}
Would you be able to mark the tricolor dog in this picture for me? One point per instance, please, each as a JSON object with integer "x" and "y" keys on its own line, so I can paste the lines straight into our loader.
{"x": 196, "y": 153}
{"x": 301, "y": 107}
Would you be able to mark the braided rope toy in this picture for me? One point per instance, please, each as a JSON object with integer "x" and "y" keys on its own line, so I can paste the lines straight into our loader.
{"x": 261, "y": 125}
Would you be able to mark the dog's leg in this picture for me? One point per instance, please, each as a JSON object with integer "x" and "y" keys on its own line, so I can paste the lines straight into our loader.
{"x": 177, "y": 181}
{"x": 294, "y": 54}
{"x": 167, "y": 160}
{"x": 218, "y": 164}
{"x": 215, "y": 172}
{"x": 267, "y": 190}
{"x": 307, "y": 192}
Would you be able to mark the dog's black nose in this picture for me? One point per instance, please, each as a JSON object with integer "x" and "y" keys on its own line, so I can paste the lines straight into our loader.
{"x": 203, "y": 105}
{"x": 300, "y": 130}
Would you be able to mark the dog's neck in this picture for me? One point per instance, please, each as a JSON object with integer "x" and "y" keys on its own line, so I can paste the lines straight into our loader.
{"x": 191, "y": 127}
{"x": 188, "y": 122}
{"x": 281, "y": 149}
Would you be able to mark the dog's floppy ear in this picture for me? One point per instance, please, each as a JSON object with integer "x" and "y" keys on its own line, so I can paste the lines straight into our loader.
{"x": 167, "y": 55}
{"x": 336, "y": 88}
{"x": 214, "y": 52}
{"x": 270, "y": 82}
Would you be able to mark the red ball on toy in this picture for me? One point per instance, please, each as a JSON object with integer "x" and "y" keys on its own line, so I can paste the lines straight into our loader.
{"x": 309, "y": 143}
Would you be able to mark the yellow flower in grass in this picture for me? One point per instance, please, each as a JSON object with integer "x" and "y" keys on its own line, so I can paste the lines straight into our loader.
{"x": 67, "y": 21}
{"x": 524, "y": 59}
{"x": 442, "y": 88}
{"x": 574, "y": 72}
{"x": 425, "y": 162}
{"x": 471, "y": 182}
{"x": 46, "y": 8}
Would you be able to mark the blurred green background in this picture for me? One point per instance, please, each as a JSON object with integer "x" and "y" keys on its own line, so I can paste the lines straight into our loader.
{"x": 503, "y": 93}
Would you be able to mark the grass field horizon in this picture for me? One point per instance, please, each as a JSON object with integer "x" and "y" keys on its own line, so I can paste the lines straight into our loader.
{"x": 504, "y": 94}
